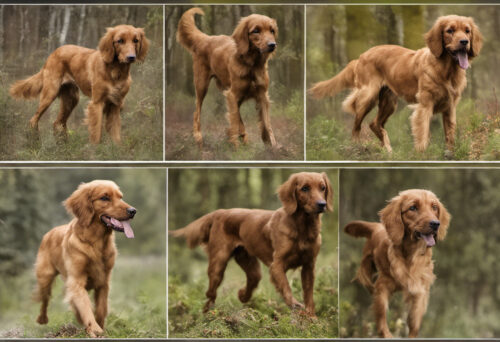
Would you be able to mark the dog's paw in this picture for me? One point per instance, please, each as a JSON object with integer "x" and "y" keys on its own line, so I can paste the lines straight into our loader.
{"x": 42, "y": 319}
{"x": 94, "y": 330}
{"x": 296, "y": 304}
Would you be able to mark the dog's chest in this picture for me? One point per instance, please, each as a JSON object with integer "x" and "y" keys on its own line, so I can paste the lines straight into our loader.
{"x": 98, "y": 270}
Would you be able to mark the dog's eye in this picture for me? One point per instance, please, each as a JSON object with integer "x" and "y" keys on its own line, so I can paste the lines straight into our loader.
{"x": 255, "y": 31}
{"x": 434, "y": 207}
{"x": 305, "y": 188}
{"x": 105, "y": 198}
{"x": 120, "y": 41}
{"x": 136, "y": 40}
{"x": 467, "y": 30}
{"x": 272, "y": 31}
{"x": 413, "y": 208}
{"x": 450, "y": 31}
{"x": 323, "y": 188}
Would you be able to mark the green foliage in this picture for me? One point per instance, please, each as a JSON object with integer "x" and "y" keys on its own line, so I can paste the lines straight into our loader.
{"x": 136, "y": 304}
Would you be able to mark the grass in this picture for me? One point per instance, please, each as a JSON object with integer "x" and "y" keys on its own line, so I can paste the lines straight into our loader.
{"x": 477, "y": 137}
{"x": 264, "y": 316}
{"x": 136, "y": 305}
{"x": 286, "y": 121}
{"x": 142, "y": 121}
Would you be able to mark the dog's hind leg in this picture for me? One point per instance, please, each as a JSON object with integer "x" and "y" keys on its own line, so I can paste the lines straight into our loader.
{"x": 69, "y": 97}
{"x": 45, "y": 274}
{"x": 360, "y": 103}
{"x": 387, "y": 103}
{"x": 251, "y": 266}
{"x": 48, "y": 94}
{"x": 218, "y": 257}
{"x": 201, "y": 82}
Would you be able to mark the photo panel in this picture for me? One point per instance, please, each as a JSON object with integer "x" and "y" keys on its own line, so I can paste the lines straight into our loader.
{"x": 438, "y": 103}
{"x": 438, "y": 241}
{"x": 94, "y": 73}
{"x": 113, "y": 246}
{"x": 237, "y": 214}
{"x": 245, "y": 60}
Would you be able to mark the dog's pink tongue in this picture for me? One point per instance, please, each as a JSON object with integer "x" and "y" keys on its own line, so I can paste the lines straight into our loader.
{"x": 127, "y": 229}
{"x": 429, "y": 239}
{"x": 463, "y": 60}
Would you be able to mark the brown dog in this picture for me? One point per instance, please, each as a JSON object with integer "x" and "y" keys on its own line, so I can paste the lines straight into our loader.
{"x": 239, "y": 65}
{"x": 282, "y": 239}
{"x": 84, "y": 252}
{"x": 398, "y": 253}
{"x": 433, "y": 78}
{"x": 103, "y": 75}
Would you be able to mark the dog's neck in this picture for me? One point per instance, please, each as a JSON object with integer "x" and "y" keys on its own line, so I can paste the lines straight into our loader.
{"x": 92, "y": 233}
{"x": 119, "y": 70}
{"x": 412, "y": 249}
{"x": 309, "y": 225}
{"x": 254, "y": 58}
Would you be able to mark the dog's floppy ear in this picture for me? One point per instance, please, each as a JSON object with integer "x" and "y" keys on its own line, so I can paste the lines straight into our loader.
{"x": 107, "y": 47}
{"x": 476, "y": 42}
{"x": 286, "y": 193}
{"x": 329, "y": 192}
{"x": 434, "y": 38}
{"x": 391, "y": 219}
{"x": 240, "y": 36}
{"x": 444, "y": 220}
{"x": 143, "y": 46}
{"x": 80, "y": 205}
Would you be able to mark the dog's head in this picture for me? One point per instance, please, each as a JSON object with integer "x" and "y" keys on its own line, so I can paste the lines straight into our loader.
{"x": 256, "y": 32}
{"x": 124, "y": 43}
{"x": 100, "y": 202}
{"x": 307, "y": 191}
{"x": 417, "y": 215}
{"x": 456, "y": 36}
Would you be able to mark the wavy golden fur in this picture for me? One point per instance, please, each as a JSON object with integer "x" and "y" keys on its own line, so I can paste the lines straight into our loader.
{"x": 397, "y": 255}
{"x": 283, "y": 239}
{"x": 83, "y": 252}
{"x": 239, "y": 65}
{"x": 432, "y": 78}
{"x": 103, "y": 75}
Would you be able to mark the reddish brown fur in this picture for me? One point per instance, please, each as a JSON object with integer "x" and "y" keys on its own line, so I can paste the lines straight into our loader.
{"x": 397, "y": 256}
{"x": 103, "y": 75}
{"x": 83, "y": 252}
{"x": 430, "y": 77}
{"x": 282, "y": 239}
{"x": 239, "y": 65}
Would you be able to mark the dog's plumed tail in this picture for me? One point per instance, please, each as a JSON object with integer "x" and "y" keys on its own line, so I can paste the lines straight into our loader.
{"x": 28, "y": 88}
{"x": 187, "y": 32}
{"x": 197, "y": 232}
{"x": 343, "y": 80}
{"x": 367, "y": 270}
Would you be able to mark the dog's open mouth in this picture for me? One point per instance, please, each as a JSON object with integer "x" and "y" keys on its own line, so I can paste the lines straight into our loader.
{"x": 430, "y": 238}
{"x": 120, "y": 226}
{"x": 462, "y": 58}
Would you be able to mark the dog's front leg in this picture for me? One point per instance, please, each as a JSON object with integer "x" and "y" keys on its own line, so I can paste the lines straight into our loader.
{"x": 101, "y": 304}
{"x": 80, "y": 301}
{"x": 383, "y": 289}
{"x": 418, "y": 306}
{"x": 113, "y": 123}
{"x": 421, "y": 120}
{"x": 449, "y": 125}
{"x": 307, "y": 275}
{"x": 94, "y": 120}
{"x": 278, "y": 277}
{"x": 233, "y": 101}
{"x": 265, "y": 121}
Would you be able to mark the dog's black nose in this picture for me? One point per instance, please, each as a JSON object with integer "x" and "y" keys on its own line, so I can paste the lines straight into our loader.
{"x": 131, "y": 212}
{"x": 434, "y": 225}
{"x": 271, "y": 46}
{"x": 131, "y": 58}
{"x": 464, "y": 42}
{"x": 321, "y": 205}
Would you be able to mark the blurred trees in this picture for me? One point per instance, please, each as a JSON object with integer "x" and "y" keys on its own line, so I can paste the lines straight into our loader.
{"x": 465, "y": 298}
{"x": 28, "y": 34}
{"x": 31, "y": 205}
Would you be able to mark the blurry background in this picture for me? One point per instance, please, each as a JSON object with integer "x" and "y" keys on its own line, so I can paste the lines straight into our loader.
{"x": 338, "y": 34}
{"x": 29, "y": 34}
{"x": 193, "y": 193}
{"x": 286, "y": 90}
{"x": 31, "y": 205}
{"x": 465, "y": 297}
